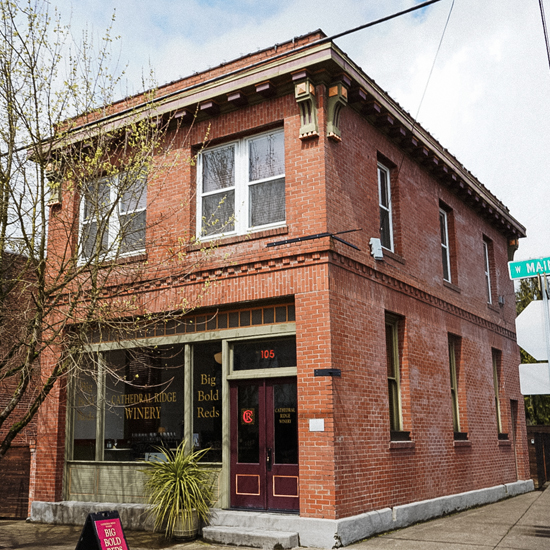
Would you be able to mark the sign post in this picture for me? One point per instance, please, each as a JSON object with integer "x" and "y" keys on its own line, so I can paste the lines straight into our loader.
{"x": 544, "y": 288}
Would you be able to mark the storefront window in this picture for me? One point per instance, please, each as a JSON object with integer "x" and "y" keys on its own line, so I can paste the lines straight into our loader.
{"x": 207, "y": 397}
{"x": 143, "y": 402}
{"x": 130, "y": 402}
{"x": 143, "y": 405}
{"x": 85, "y": 416}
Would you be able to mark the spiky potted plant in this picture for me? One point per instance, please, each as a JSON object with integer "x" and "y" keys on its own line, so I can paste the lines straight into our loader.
{"x": 179, "y": 491}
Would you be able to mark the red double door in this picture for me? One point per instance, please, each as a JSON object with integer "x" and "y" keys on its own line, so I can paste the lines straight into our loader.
{"x": 264, "y": 444}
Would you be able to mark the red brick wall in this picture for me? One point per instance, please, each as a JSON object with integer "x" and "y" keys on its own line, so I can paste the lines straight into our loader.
{"x": 47, "y": 477}
{"x": 16, "y": 312}
{"x": 370, "y": 473}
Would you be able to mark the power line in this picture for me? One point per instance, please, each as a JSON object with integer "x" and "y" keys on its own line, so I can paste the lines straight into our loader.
{"x": 258, "y": 63}
{"x": 545, "y": 30}
{"x": 435, "y": 59}
{"x": 382, "y": 20}
{"x": 415, "y": 120}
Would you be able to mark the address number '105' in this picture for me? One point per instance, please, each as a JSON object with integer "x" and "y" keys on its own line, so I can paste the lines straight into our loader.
{"x": 267, "y": 353}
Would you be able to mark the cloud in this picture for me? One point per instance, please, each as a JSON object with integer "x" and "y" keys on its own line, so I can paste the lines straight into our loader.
{"x": 486, "y": 100}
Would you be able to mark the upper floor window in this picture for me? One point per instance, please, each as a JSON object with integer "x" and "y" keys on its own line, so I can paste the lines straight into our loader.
{"x": 453, "y": 371}
{"x": 488, "y": 265}
{"x": 384, "y": 194}
{"x": 242, "y": 186}
{"x": 496, "y": 355}
{"x": 445, "y": 247}
{"x": 393, "y": 372}
{"x": 113, "y": 215}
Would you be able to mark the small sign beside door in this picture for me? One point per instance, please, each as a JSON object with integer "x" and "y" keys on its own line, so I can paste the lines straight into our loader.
{"x": 285, "y": 415}
{"x": 316, "y": 424}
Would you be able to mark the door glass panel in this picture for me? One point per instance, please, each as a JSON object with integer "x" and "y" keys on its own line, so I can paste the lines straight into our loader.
{"x": 248, "y": 425}
{"x": 285, "y": 424}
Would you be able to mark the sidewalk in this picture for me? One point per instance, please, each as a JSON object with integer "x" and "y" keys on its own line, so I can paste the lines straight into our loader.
{"x": 521, "y": 522}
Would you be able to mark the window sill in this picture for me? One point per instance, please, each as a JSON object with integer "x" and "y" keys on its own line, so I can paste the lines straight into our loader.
{"x": 462, "y": 443}
{"x": 400, "y": 435}
{"x": 225, "y": 241}
{"x": 393, "y": 256}
{"x": 396, "y": 445}
{"x": 142, "y": 257}
{"x": 504, "y": 443}
{"x": 121, "y": 260}
{"x": 451, "y": 286}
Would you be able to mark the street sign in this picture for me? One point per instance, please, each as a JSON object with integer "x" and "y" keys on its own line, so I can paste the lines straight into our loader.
{"x": 530, "y": 331}
{"x": 528, "y": 268}
{"x": 534, "y": 379}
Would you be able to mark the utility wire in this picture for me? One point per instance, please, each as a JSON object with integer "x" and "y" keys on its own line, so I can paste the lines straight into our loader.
{"x": 433, "y": 64}
{"x": 383, "y": 20}
{"x": 262, "y": 61}
{"x": 545, "y": 30}
{"x": 320, "y": 41}
{"x": 415, "y": 120}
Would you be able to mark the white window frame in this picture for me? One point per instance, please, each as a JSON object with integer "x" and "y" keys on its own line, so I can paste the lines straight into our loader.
{"x": 114, "y": 222}
{"x": 487, "y": 272}
{"x": 241, "y": 216}
{"x": 394, "y": 377}
{"x": 454, "y": 383}
{"x": 496, "y": 358}
{"x": 445, "y": 252}
{"x": 385, "y": 207}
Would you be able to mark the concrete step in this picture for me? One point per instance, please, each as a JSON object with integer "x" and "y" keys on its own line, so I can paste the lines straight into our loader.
{"x": 239, "y": 536}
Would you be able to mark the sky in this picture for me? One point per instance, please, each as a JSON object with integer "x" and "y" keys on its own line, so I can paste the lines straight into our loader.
{"x": 483, "y": 91}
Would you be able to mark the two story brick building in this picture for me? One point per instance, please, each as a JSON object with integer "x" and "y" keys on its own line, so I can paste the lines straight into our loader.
{"x": 357, "y": 351}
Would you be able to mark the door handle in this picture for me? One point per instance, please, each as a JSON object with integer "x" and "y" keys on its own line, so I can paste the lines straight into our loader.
{"x": 268, "y": 460}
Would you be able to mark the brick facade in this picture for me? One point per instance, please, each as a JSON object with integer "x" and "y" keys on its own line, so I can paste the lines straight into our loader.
{"x": 18, "y": 461}
{"x": 342, "y": 295}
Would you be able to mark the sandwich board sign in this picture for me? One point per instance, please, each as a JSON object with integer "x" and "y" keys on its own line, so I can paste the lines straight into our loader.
{"x": 102, "y": 531}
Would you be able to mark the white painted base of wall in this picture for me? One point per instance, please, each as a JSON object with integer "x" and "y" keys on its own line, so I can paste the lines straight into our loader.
{"x": 312, "y": 532}
{"x": 71, "y": 512}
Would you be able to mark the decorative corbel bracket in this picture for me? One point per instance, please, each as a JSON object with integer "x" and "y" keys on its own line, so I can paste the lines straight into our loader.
{"x": 513, "y": 245}
{"x": 304, "y": 92}
{"x": 54, "y": 182}
{"x": 337, "y": 98}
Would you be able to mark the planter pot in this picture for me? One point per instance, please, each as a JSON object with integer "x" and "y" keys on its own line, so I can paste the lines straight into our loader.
{"x": 187, "y": 528}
